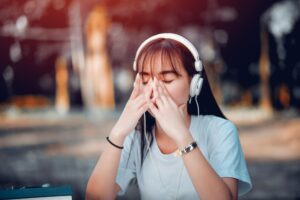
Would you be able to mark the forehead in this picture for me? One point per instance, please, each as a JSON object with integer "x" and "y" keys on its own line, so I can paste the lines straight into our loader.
{"x": 155, "y": 63}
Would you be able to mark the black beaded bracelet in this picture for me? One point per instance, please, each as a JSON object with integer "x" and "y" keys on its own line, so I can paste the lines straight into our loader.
{"x": 119, "y": 147}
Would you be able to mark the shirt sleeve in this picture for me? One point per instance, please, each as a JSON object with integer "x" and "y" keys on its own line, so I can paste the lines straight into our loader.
{"x": 127, "y": 165}
{"x": 226, "y": 155}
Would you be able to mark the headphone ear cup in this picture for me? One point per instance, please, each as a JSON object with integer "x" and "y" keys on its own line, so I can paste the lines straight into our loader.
{"x": 196, "y": 85}
{"x": 198, "y": 65}
{"x": 193, "y": 85}
{"x": 199, "y": 86}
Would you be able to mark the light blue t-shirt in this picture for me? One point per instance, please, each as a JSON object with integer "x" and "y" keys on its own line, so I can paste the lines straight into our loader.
{"x": 164, "y": 176}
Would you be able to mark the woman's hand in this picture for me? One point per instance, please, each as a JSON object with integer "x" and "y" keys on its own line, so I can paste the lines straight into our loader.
{"x": 170, "y": 116}
{"x": 135, "y": 107}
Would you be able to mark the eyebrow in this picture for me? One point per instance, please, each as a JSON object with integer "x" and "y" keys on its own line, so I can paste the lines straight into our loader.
{"x": 162, "y": 72}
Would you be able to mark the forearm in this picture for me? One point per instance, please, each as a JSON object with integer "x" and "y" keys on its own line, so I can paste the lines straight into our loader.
{"x": 101, "y": 184}
{"x": 205, "y": 180}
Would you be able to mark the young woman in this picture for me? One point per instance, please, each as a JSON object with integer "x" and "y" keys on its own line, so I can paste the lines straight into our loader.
{"x": 172, "y": 136}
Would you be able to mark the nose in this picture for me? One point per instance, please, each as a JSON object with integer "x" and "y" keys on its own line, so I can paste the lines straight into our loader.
{"x": 148, "y": 86}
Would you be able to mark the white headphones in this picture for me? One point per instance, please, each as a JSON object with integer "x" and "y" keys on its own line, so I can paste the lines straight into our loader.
{"x": 197, "y": 80}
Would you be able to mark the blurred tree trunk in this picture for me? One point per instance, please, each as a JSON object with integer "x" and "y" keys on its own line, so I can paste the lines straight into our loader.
{"x": 62, "y": 100}
{"x": 264, "y": 71}
{"x": 97, "y": 76}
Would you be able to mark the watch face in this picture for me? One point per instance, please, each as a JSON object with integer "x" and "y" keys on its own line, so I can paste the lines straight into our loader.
{"x": 188, "y": 148}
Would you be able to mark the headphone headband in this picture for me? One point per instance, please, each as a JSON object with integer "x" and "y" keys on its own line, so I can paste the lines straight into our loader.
{"x": 176, "y": 37}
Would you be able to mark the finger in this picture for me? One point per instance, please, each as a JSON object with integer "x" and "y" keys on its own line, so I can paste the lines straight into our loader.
{"x": 139, "y": 100}
{"x": 148, "y": 93}
{"x": 166, "y": 96}
{"x": 142, "y": 105}
{"x": 161, "y": 94}
{"x": 154, "y": 110}
{"x": 143, "y": 98}
{"x": 136, "y": 87}
{"x": 164, "y": 89}
{"x": 143, "y": 109}
{"x": 152, "y": 100}
{"x": 159, "y": 87}
{"x": 172, "y": 102}
{"x": 139, "y": 81}
{"x": 155, "y": 92}
{"x": 182, "y": 108}
{"x": 156, "y": 96}
{"x": 159, "y": 102}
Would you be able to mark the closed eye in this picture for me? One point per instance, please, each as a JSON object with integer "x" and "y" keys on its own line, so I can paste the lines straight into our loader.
{"x": 167, "y": 81}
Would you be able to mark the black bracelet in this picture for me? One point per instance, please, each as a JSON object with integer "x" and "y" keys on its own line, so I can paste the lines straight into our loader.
{"x": 119, "y": 147}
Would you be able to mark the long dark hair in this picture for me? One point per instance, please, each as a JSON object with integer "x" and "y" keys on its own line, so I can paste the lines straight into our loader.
{"x": 171, "y": 51}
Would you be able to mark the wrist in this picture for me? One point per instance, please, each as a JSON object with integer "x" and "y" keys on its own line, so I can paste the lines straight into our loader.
{"x": 184, "y": 139}
{"x": 117, "y": 138}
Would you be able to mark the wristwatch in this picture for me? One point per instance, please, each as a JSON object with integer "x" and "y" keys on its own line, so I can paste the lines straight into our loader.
{"x": 188, "y": 148}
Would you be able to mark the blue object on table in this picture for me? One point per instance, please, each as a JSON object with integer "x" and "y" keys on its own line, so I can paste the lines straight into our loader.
{"x": 36, "y": 192}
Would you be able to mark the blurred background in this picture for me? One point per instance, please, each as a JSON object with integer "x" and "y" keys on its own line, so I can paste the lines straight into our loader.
{"x": 66, "y": 74}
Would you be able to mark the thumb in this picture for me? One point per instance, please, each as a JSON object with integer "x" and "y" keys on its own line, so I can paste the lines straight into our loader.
{"x": 182, "y": 108}
{"x": 136, "y": 87}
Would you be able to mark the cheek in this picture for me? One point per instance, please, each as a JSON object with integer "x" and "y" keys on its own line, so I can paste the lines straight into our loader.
{"x": 179, "y": 92}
